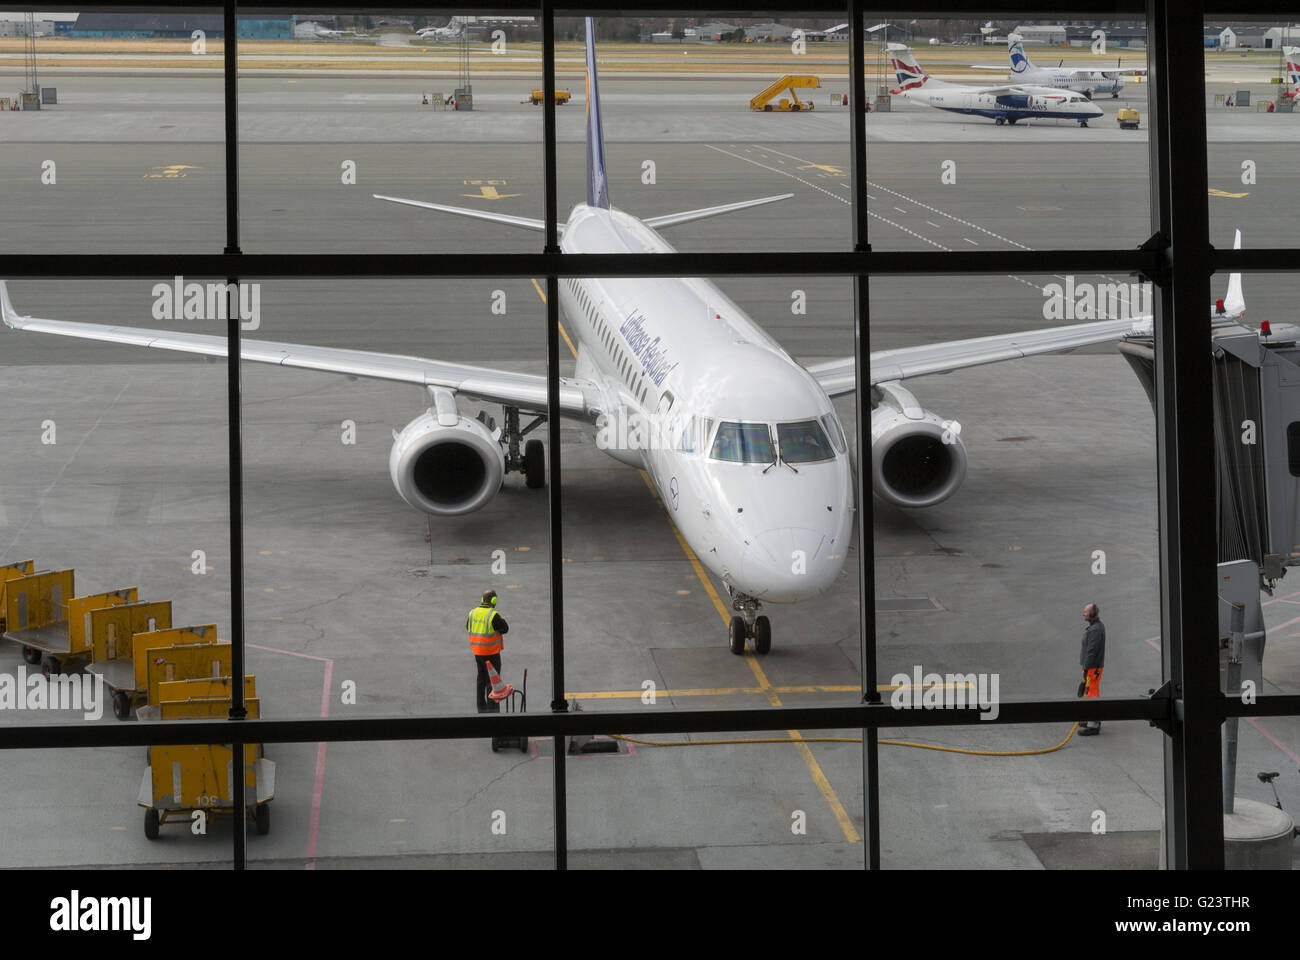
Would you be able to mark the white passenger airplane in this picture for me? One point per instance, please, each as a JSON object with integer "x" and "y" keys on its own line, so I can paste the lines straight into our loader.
{"x": 1005, "y": 103}
{"x": 1085, "y": 80}
{"x": 743, "y": 446}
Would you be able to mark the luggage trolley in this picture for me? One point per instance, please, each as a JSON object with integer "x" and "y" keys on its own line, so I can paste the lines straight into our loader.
{"x": 508, "y": 697}
{"x": 36, "y": 617}
{"x": 181, "y": 780}
{"x": 112, "y": 632}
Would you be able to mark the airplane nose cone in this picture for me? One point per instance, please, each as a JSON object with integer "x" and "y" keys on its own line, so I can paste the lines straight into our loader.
{"x": 788, "y": 564}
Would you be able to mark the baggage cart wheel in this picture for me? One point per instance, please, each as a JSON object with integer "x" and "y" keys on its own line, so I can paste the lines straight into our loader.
{"x": 31, "y": 655}
{"x": 151, "y": 824}
{"x": 50, "y": 666}
{"x": 262, "y": 819}
{"x": 523, "y": 744}
{"x": 496, "y": 745}
{"x": 122, "y": 705}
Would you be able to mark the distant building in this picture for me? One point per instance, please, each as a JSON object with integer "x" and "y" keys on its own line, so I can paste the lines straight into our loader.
{"x": 1033, "y": 34}
{"x": 715, "y": 30}
{"x": 144, "y": 26}
{"x": 44, "y": 25}
{"x": 778, "y": 31}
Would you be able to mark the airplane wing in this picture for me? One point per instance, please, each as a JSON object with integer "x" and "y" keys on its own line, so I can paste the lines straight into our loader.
{"x": 524, "y": 390}
{"x": 836, "y": 376}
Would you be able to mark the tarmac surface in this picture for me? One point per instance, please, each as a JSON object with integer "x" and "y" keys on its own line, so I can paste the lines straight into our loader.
{"x": 348, "y": 588}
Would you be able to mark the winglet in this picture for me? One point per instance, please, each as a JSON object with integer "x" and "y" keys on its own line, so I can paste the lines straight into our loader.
{"x": 7, "y": 311}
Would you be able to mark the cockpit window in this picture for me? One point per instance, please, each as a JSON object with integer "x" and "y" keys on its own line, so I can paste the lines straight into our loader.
{"x": 743, "y": 443}
{"x": 803, "y": 442}
{"x": 835, "y": 430}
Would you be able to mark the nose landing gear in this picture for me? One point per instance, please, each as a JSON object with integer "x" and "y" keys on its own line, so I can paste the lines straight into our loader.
{"x": 748, "y": 624}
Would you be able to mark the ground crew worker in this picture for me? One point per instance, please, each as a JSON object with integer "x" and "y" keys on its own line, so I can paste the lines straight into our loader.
{"x": 485, "y": 627}
{"x": 1092, "y": 657}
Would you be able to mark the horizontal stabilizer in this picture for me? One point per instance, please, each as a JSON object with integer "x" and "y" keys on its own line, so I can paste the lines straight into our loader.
{"x": 686, "y": 216}
{"x": 526, "y": 222}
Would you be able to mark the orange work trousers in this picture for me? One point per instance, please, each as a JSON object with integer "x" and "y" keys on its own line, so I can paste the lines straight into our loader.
{"x": 1092, "y": 678}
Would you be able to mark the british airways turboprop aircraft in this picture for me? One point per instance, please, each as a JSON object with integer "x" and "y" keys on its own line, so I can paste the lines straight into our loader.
{"x": 1003, "y": 104}
{"x": 741, "y": 442}
{"x": 1085, "y": 80}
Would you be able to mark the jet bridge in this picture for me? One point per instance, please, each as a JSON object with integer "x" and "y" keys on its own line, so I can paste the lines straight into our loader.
{"x": 1257, "y": 454}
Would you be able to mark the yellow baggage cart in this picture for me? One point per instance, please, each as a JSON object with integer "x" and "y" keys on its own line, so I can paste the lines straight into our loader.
{"x": 36, "y": 617}
{"x": 180, "y": 780}
{"x": 112, "y": 635}
{"x": 11, "y": 571}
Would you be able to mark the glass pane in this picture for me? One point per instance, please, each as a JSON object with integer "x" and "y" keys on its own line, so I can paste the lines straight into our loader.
{"x": 410, "y": 804}
{"x": 378, "y": 511}
{"x": 1252, "y": 72}
{"x": 1006, "y": 134}
{"x": 104, "y": 155}
{"x": 391, "y": 133}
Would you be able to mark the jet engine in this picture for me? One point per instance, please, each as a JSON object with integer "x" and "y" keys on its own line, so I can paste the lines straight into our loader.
{"x": 917, "y": 458}
{"x": 1017, "y": 101}
{"x": 445, "y": 463}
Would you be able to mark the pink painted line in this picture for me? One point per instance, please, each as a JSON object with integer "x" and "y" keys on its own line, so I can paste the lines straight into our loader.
{"x": 289, "y": 653}
{"x": 1155, "y": 641}
{"x": 1272, "y": 739}
{"x": 318, "y": 788}
{"x": 313, "y": 831}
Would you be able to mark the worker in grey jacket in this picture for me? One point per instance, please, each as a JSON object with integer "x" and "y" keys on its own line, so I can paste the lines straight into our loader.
{"x": 1092, "y": 657}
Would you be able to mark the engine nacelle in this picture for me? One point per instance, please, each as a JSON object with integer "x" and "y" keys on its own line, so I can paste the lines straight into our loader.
{"x": 917, "y": 459}
{"x": 1016, "y": 101}
{"x": 444, "y": 467}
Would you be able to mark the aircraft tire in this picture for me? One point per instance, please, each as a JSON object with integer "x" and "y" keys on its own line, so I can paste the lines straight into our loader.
{"x": 999, "y": 121}
{"x": 736, "y": 636}
{"x": 534, "y": 464}
{"x": 762, "y": 636}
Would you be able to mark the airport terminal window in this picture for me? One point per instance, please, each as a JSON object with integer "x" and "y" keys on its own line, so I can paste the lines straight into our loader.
{"x": 1100, "y": 189}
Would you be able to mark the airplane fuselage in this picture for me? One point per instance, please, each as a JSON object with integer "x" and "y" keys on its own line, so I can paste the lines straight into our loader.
{"x": 683, "y": 370}
{"x": 1077, "y": 80}
{"x": 1033, "y": 103}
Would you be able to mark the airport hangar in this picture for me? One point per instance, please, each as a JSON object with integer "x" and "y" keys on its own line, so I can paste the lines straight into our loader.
{"x": 726, "y": 813}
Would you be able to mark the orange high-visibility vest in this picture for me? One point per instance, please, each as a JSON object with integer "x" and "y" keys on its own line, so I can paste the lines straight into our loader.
{"x": 482, "y": 640}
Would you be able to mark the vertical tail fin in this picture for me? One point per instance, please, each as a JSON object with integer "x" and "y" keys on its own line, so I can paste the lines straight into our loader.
{"x": 910, "y": 73}
{"x": 1292, "y": 63}
{"x": 597, "y": 184}
{"x": 1016, "y": 51}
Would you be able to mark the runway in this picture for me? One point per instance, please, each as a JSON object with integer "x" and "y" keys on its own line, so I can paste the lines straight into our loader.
{"x": 348, "y": 585}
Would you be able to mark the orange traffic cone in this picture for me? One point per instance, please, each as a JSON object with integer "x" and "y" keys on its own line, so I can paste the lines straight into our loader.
{"x": 500, "y": 689}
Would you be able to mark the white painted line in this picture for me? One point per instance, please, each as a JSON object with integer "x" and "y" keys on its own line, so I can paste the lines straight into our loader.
{"x": 933, "y": 224}
{"x": 970, "y": 241}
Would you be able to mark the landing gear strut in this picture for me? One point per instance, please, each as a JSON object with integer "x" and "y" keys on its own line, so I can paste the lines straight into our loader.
{"x": 532, "y": 463}
{"x": 746, "y": 624}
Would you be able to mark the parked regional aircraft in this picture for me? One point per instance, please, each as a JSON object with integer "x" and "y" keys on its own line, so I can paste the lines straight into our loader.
{"x": 1003, "y": 104}
{"x": 451, "y": 31}
{"x": 740, "y": 441}
{"x": 1085, "y": 80}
